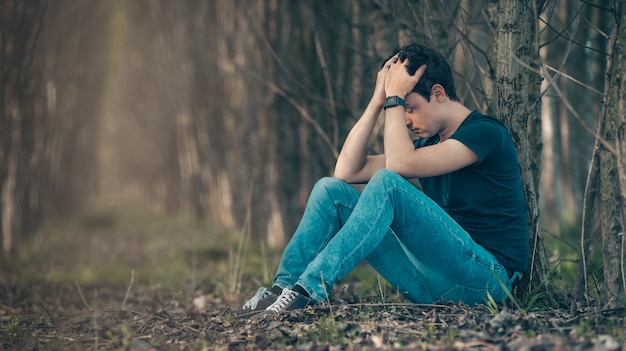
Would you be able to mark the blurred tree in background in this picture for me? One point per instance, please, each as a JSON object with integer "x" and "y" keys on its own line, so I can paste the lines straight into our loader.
{"x": 231, "y": 110}
{"x": 53, "y": 60}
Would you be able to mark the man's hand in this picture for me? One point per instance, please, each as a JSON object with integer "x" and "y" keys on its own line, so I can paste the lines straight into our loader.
{"x": 397, "y": 80}
{"x": 379, "y": 90}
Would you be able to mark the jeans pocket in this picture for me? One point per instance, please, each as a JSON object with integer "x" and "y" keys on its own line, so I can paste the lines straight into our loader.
{"x": 468, "y": 295}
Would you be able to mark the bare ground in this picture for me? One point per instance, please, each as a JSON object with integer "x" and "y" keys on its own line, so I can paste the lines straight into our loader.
{"x": 42, "y": 313}
{"x": 141, "y": 320}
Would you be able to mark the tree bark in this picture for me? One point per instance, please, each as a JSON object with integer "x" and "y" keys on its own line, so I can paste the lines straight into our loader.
{"x": 612, "y": 171}
{"x": 592, "y": 184}
{"x": 518, "y": 105}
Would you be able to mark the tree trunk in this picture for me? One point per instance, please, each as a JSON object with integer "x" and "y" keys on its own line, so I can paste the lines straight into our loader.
{"x": 22, "y": 94}
{"x": 518, "y": 106}
{"x": 613, "y": 173}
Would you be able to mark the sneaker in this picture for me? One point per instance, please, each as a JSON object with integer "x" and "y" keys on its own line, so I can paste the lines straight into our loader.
{"x": 258, "y": 303}
{"x": 288, "y": 300}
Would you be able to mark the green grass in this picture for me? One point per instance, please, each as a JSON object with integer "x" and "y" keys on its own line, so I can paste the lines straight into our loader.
{"x": 112, "y": 244}
{"x": 563, "y": 253}
{"x": 12, "y": 332}
{"x": 109, "y": 245}
{"x": 181, "y": 257}
{"x": 130, "y": 247}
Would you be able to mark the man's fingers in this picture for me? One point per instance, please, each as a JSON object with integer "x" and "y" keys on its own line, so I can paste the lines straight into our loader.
{"x": 420, "y": 70}
{"x": 391, "y": 61}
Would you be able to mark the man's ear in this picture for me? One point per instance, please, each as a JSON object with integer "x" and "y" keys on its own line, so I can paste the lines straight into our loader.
{"x": 439, "y": 92}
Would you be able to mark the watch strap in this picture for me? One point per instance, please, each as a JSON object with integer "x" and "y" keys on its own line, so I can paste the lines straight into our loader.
{"x": 391, "y": 101}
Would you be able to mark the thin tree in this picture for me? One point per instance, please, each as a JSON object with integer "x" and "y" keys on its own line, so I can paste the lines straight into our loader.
{"x": 592, "y": 184}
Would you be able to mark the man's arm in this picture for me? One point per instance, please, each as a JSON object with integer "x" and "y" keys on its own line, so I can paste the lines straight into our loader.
{"x": 404, "y": 159}
{"x": 401, "y": 155}
{"x": 353, "y": 164}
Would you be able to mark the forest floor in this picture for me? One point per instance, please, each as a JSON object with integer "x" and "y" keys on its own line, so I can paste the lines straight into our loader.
{"x": 126, "y": 280}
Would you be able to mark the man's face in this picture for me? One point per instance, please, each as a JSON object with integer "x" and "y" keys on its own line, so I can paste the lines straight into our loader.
{"x": 421, "y": 115}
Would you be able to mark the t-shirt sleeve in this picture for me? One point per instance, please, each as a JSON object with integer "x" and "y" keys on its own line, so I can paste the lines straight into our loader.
{"x": 421, "y": 142}
{"x": 482, "y": 136}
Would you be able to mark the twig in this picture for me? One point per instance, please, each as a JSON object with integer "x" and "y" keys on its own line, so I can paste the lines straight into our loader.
{"x": 622, "y": 258}
{"x": 237, "y": 259}
{"x": 132, "y": 280}
{"x": 80, "y": 293}
{"x": 187, "y": 326}
{"x": 568, "y": 106}
{"x": 329, "y": 87}
{"x": 574, "y": 80}
{"x": 48, "y": 313}
{"x": 95, "y": 320}
{"x": 380, "y": 289}
{"x": 385, "y": 304}
{"x": 327, "y": 297}
{"x": 581, "y": 286}
{"x": 168, "y": 302}
{"x": 304, "y": 113}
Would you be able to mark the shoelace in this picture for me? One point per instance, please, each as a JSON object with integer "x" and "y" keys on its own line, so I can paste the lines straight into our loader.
{"x": 254, "y": 301}
{"x": 285, "y": 298}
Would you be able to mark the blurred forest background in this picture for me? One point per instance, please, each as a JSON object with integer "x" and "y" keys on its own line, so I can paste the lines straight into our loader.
{"x": 231, "y": 110}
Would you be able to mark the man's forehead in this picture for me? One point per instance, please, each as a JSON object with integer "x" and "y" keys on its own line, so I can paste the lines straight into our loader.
{"x": 413, "y": 98}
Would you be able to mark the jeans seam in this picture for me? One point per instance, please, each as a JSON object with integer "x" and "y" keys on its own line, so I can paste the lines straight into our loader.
{"x": 448, "y": 228}
{"x": 437, "y": 217}
{"x": 410, "y": 257}
{"x": 328, "y": 238}
{"x": 471, "y": 254}
{"x": 361, "y": 242}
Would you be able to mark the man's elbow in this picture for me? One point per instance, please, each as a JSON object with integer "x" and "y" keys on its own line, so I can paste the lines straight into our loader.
{"x": 399, "y": 166}
{"x": 342, "y": 174}
{"x": 350, "y": 177}
{"x": 339, "y": 175}
{"x": 394, "y": 164}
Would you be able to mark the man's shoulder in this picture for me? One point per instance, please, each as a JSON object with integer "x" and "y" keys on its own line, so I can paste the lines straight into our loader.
{"x": 485, "y": 127}
{"x": 483, "y": 134}
{"x": 477, "y": 117}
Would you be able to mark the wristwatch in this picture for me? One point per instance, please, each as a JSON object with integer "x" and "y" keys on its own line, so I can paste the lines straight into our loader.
{"x": 391, "y": 101}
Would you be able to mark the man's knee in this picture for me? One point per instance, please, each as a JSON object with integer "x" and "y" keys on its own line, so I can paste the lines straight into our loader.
{"x": 384, "y": 173}
{"x": 329, "y": 188}
{"x": 328, "y": 185}
{"x": 329, "y": 182}
{"x": 386, "y": 179}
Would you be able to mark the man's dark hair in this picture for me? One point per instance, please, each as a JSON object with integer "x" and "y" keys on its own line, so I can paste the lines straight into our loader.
{"x": 437, "y": 71}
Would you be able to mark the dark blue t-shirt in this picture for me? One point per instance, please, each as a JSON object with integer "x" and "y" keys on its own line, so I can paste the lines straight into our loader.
{"x": 486, "y": 198}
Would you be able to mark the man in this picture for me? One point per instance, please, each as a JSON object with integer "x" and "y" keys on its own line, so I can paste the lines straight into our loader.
{"x": 459, "y": 240}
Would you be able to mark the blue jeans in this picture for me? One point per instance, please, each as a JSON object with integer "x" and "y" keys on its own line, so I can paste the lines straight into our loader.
{"x": 409, "y": 239}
